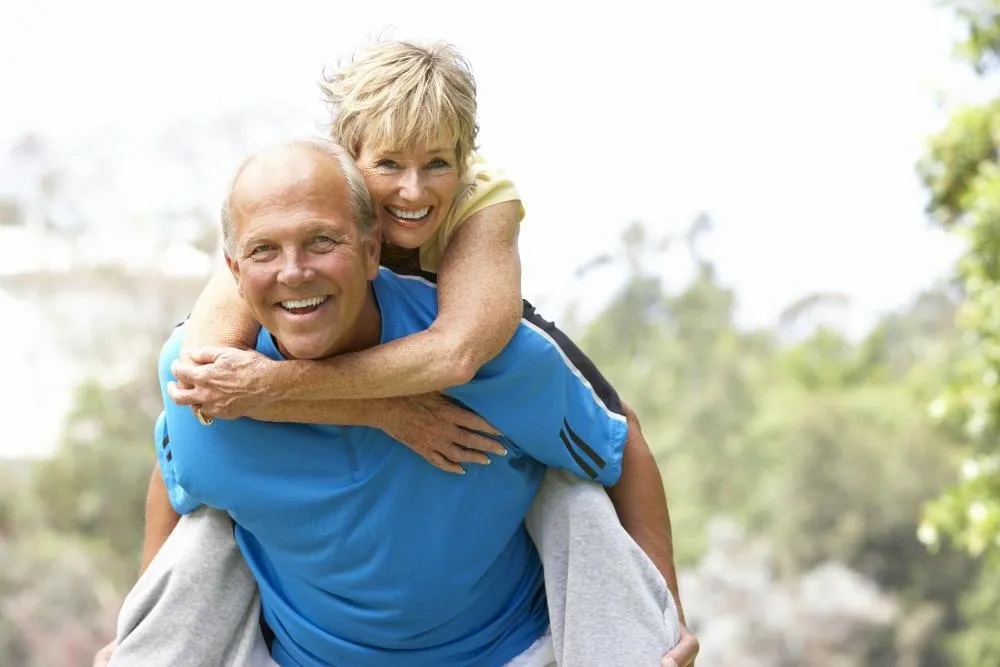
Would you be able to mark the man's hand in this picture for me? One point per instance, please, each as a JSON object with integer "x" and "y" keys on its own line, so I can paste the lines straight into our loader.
{"x": 103, "y": 657}
{"x": 684, "y": 653}
{"x": 224, "y": 382}
{"x": 443, "y": 433}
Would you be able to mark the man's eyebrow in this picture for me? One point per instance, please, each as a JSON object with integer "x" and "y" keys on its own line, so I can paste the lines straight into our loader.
{"x": 250, "y": 242}
{"x": 326, "y": 229}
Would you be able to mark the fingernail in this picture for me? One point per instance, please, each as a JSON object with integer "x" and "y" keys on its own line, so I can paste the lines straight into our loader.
{"x": 503, "y": 452}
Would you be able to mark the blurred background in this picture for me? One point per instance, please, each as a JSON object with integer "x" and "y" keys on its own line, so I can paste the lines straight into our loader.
{"x": 774, "y": 225}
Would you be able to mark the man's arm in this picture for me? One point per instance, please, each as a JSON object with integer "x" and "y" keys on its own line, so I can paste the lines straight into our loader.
{"x": 641, "y": 504}
{"x": 160, "y": 518}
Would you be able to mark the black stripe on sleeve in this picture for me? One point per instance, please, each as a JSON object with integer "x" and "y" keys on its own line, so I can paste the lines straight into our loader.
{"x": 601, "y": 386}
{"x": 576, "y": 457}
{"x": 594, "y": 456}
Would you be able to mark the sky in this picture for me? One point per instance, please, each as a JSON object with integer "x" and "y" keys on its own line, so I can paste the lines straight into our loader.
{"x": 794, "y": 124}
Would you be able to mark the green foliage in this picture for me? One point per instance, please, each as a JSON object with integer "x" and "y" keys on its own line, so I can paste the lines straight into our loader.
{"x": 958, "y": 163}
{"x": 823, "y": 445}
{"x": 71, "y": 526}
{"x": 979, "y": 642}
{"x": 981, "y": 46}
{"x": 95, "y": 486}
{"x": 962, "y": 173}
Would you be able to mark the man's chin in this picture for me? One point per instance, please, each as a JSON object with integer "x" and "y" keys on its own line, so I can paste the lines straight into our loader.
{"x": 305, "y": 350}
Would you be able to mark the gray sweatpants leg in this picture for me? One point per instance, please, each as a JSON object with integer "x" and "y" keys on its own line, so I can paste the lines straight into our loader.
{"x": 196, "y": 605}
{"x": 608, "y": 604}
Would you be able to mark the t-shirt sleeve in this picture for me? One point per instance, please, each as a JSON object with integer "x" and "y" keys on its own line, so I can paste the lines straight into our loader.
{"x": 173, "y": 423}
{"x": 485, "y": 185}
{"x": 547, "y": 409}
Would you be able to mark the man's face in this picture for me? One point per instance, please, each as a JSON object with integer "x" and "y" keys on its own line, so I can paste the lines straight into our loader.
{"x": 303, "y": 268}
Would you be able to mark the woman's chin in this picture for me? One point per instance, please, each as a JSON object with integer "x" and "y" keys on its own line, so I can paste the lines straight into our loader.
{"x": 410, "y": 236}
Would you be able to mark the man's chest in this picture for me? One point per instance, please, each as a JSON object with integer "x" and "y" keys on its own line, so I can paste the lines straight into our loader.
{"x": 330, "y": 500}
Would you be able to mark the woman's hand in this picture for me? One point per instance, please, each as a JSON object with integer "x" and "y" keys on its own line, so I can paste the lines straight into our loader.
{"x": 224, "y": 382}
{"x": 440, "y": 431}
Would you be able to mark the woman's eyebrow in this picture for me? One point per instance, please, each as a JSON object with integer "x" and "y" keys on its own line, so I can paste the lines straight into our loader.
{"x": 395, "y": 153}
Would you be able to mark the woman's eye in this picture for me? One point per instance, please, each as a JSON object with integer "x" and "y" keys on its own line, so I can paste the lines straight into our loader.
{"x": 387, "y": 164}
{"x": 438, "y": 163}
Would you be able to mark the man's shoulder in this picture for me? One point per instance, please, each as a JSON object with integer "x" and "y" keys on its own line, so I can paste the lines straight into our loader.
{"x": 171, "y": 350}
{"x": 396, "y": 288}
{"x": 407, "y": 278}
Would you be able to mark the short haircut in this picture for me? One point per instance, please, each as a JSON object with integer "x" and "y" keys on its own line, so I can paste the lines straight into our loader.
{"x": 400, "y": 94}
{"x": 361, "y": 202}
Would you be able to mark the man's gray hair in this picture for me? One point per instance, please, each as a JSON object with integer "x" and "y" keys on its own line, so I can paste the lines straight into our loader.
{"x": 361, "y": 201}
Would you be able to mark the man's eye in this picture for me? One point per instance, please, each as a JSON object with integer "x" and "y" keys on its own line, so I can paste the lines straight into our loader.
{"x": 260, "y": 249}
{"x": 324, "y": 240}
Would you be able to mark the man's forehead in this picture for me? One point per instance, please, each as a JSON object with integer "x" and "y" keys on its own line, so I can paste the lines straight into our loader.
{"x": 288, "y": 170}
{"x": 289, "y": 177}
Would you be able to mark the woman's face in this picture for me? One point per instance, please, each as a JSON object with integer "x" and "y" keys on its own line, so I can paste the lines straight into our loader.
{"x": 412, "y": 189}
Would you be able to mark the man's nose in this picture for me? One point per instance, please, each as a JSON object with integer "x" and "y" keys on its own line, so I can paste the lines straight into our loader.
{"x": 295, "y": 270}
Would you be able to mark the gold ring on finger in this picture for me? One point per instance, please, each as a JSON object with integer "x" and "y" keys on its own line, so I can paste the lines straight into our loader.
{"x": 205, "y": 421}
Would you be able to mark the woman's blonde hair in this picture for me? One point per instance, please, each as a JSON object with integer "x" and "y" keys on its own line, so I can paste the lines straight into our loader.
{"x": 399, "y": 95}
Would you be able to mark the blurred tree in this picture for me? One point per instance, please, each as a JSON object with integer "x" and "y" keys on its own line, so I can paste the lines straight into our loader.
{"x": 678, "y": 360}
{"x": 979, "y": 642}
{"x": 962, "y": 174}
{"x": 822, "y": 445}
{"x": 95, "y": 486}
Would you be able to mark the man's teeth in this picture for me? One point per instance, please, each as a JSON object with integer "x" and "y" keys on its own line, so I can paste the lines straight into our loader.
{"x": 303, "y": 303}
{"x": 409, "y": 215}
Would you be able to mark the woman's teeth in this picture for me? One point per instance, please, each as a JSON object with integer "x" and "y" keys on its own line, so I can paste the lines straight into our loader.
{"x": 409, "y": 215}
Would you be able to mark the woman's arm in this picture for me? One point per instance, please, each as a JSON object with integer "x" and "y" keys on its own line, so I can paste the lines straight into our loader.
{"x": 220, "y": 316}
{"x": 442, "y": 433}
{"x": 479, "y": 307}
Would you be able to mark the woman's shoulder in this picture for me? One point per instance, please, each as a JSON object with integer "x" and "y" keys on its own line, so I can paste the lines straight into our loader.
{"x": 483, "y": 184}
{"x": 479, "y": 171}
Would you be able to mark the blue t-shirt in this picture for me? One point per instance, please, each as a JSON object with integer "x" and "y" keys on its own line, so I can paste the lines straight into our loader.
{"x": 364, "y": 553}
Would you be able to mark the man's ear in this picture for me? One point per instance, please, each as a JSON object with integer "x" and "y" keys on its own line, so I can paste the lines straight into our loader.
{"x": 373, "y": 252}
{"x": 234, "y": 268}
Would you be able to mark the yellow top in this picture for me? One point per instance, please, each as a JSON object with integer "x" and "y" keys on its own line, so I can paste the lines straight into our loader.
{"x": 483, "y": 186}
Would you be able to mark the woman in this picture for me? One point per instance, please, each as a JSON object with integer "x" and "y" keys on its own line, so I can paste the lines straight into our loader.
{"x": 442, "y": 210}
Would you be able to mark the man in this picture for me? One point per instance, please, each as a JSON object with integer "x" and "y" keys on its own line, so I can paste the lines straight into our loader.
{"x": 362, "y": 553}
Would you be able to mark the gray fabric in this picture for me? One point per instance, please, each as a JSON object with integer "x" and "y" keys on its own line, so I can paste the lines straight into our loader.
{"x": 608, "y": 604}
{"x": 197, "y": 604}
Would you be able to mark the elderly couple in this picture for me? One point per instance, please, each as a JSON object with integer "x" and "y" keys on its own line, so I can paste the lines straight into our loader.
{"x": 535, "y": 532}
